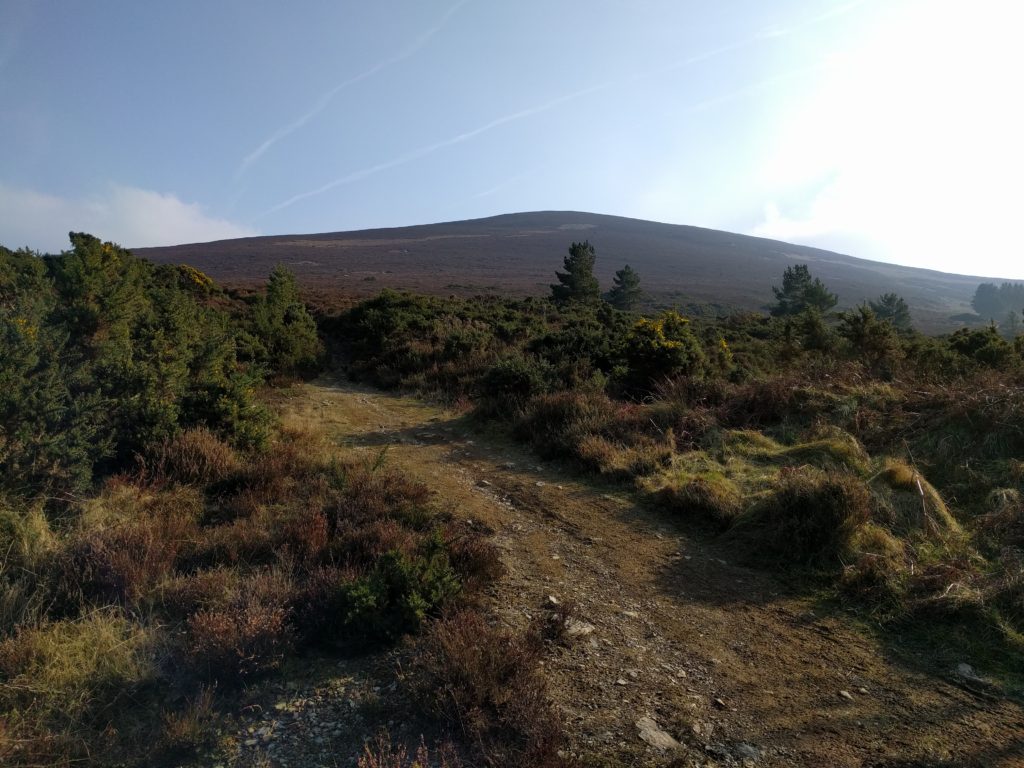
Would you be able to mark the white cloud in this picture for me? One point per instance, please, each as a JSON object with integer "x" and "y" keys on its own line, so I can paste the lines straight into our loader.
{"x": 132, "y": 217}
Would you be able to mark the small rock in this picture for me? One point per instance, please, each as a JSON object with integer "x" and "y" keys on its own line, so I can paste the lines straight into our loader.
{"x": 719, "y": 703}
{"x": 862, "y": 691}
{"x": 250, "y": 742}
{"x": 575, "y": 628}
{"x": 747, "y": 751}
{"x": 846, "y": 695}
{"x": 556, "y": 557}
{"x": 655, "y": 736}
{"x": 483, "y": 483}
{"x": 552, "y": 600}
{"x": 703, "y": 730}
{"x": 966, "y": 671}
{"x": 631, "y": 614}
{"x": 620, "y": 681}
{"x": 540, "y": 483}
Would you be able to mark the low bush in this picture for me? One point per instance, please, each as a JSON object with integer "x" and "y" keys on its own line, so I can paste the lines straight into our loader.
{"x": 196, "y": 457}
{"x": 248, "y": 636}
{"x": 486, "y": 683}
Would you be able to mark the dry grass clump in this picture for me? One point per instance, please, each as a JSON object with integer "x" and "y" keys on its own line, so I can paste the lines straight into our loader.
{"x": 877, "y": 569}
{"x": 624, "y": 462}
{"x": 191, "y": 727}
{"x": 1003, "y": 523}
{"x": 487, "y": 684}
{"x": 63, "y": 684}
{"x": 384, "y": 753}
{"x": 839, "y": 451}
{"x": 905, "y": 502}
{"x": 807, "y": 521}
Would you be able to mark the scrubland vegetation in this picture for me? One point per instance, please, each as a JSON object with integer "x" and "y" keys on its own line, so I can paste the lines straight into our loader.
{"x": 165, "y": 541}
{"x": 844, "y": 450}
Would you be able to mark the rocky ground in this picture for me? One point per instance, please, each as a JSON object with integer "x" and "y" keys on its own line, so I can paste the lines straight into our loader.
{"x": 674, "y": 655}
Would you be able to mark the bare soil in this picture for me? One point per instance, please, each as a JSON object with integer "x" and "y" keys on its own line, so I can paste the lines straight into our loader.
{"x": 735, "y": 665}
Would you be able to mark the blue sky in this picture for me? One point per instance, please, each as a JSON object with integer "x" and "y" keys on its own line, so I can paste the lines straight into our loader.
{"x": 888, "y": 129}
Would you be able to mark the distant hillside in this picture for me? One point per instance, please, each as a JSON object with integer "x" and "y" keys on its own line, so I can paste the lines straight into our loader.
{"x": 518, "y": 254}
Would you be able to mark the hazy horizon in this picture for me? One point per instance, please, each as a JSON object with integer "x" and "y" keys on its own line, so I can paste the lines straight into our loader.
{"x": 882, "y": 130}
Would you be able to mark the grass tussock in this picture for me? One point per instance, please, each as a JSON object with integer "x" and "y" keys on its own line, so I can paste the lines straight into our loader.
{"x": 711, "y": 496}
{"x": 807, "y": 521}
{"x": 63, "y": 684}
{"x": 906, "y": 502}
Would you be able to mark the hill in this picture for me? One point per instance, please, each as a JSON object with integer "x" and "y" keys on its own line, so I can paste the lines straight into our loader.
{"x": 518, "y": 254}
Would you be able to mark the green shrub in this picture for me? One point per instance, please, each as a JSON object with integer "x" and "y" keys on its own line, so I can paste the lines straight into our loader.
{"x": 508, "y": 386}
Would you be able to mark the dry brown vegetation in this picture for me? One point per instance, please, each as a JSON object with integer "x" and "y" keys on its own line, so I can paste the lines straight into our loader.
{"x": 130, "y": 617}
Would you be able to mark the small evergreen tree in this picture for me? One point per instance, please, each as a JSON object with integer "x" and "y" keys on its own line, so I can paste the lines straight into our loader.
{"x": 577, "y": 283}
{"x": 625, "y": 293}
{"x": 800, "y": 292}
{"x": 872, "y": 339}
{"x": 284, "y": 325}
{"x": 891, "y": 308}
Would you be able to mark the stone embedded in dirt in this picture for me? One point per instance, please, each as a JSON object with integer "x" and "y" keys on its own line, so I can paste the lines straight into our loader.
{"x": 862, "y": 691}
{"x": 703, "y": 730}
{"x": 631, "y": 614}
{"x": 719, "y": 703}
{"x": 846, "y": 695}
{"x": 483, "y": 483}
{"x": 747, "y": 752}
{"x": 967, "y": 672}
{"x": 574, "y": 628}
{"x": 552, "y": 600}
{"x": 621, "y": 681}
{"x": 655, "y": 736}
{"x": 541, "y": 483}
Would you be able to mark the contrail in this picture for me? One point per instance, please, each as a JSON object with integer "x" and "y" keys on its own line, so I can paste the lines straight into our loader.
{"x": 416, "y": 154}
{"x": 326, "y": 99}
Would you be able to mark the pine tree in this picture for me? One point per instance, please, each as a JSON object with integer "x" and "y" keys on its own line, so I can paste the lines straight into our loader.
{"x": 285, "y": 327}
{"x": 625, "y": 293}
{"x": 801, "y": 292}
{"x": 577, "y": 283}
{"x": 892, "y": 308}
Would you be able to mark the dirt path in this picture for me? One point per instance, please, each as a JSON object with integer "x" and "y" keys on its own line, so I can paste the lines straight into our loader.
{"x": 720, "y": 657}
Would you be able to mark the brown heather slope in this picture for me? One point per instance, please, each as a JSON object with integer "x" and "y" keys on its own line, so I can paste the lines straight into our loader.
{"x": 518, "y": 253}
{"x": 728, "y": 660}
